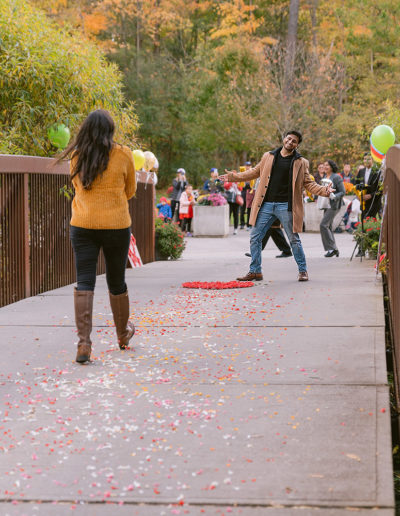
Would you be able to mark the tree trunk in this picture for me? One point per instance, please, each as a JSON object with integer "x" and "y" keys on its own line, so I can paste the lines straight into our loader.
{"x": 313, "y": 16}
{"x": 291, "y": 44}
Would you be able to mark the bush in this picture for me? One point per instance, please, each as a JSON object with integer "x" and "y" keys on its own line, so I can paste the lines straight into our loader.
{"x": 51, "y": 76}
{"x": 169, "y": 240}
{"x": 369, "y": 239}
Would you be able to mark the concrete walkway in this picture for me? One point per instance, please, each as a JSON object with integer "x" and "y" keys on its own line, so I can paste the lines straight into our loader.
{"x": 271, "y": 400}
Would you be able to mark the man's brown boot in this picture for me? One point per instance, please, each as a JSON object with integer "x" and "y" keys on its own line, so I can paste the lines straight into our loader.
{"x": 303, "y": 276}
{"x": 83, "y": 302}
{"x": 120, "y": 309}
{"x": 251, "y": 276}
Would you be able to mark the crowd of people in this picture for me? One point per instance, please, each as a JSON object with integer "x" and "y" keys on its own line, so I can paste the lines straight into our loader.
{"x": 240, "y": 195}
{"x": 248, "y": 186}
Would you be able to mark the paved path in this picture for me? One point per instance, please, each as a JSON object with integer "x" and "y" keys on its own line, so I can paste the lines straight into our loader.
{"x": 270, "y": 400}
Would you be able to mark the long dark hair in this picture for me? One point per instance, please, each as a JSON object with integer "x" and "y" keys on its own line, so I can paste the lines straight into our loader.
{"x": 333, "y": 165}
{"x": 91, "y": 147}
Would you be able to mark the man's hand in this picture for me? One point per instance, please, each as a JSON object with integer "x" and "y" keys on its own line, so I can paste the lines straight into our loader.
{"x": 367, "y": 197}
{"x": 224, "y": 177}
{"x": 329, "y": 190}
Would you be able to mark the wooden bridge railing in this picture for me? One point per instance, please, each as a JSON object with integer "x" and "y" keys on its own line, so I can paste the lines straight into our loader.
{"x": 392, "y": 246}
{"x": 35, "y": 252}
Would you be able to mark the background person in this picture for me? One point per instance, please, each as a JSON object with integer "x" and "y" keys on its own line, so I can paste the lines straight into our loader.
{"x": 178, "y": 186}
{"x": 104, "y": 178}
{"x": 243, "y": 213}
{"x": 320, "y": 173}
{"x": 164, "y": 209}
{"x": 346, "y": 174}
{"x": 249, "y": 201}
{"x": 335, "y": 202}
{"x": 232, "y": 191}
{"x": 275, "y": 232}
{"x": 186, "y": 210}
{"x": 210, "y": 185}
{"x": 368, "y": 180}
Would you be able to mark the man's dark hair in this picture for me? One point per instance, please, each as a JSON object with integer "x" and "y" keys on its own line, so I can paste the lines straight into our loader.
{"x": 367, "y": 155}
{"x": 296, "y": 133}
{"x": 333, "y": 165}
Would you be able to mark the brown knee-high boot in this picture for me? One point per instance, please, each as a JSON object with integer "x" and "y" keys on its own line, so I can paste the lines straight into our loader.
{"x": 83, "y": 301}
{"x": 120, "y": 309}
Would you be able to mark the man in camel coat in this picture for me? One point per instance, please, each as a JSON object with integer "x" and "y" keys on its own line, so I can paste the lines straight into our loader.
{"x": 283, "y": 175}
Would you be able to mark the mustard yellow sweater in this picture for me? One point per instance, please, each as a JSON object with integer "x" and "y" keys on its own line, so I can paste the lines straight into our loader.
{"x": 105, "y": 205}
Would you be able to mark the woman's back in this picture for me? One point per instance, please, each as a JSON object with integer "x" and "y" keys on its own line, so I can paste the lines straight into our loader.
{"x": 105, "y": 204}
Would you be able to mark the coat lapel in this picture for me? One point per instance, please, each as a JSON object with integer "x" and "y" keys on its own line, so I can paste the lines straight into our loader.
{"x": 296, "y": 168}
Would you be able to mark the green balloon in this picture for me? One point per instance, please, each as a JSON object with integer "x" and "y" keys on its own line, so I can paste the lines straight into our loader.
{"x": 59, "y": 136}
{"x": 382, "y": 138}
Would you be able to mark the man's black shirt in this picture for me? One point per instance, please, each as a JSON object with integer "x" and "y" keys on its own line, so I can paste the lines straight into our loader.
{"x": 278, "y": 188}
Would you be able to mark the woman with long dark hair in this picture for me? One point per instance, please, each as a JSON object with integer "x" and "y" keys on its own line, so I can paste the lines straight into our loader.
{"x": 104, "y": 178}
{"x": 335, "y": 202}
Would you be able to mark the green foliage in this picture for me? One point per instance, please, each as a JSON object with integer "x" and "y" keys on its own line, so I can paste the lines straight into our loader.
{"x": 169, "y": 240}
{"x": 207, "y": 77}
{"x": 368, "y": 240}
{"x": 50, "y": 75}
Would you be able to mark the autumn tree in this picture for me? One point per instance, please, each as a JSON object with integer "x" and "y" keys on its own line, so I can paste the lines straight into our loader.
{"x": 48, "y": 77}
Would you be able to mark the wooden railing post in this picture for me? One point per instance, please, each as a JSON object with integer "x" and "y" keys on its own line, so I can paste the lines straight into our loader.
{"x": 26, "y": 237}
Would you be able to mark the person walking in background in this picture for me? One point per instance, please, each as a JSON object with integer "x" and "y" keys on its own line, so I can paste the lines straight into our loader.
{"x": 232, "y": 191}
{"x": 186, "y": 210}
{"x": 104, "y": 178}
{"x": 283, "y": 175}
{"x": 243, "y": 213}
{"x": 335, "y": 202}
{"x": 275, "y": 232}
{"x": 178, "y": 186}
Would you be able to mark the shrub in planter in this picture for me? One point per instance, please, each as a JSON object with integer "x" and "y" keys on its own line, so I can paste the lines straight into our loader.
{"x": 169, "y": 240}
{"x": 212, "y": 199}
{"x": 369, "y": 239}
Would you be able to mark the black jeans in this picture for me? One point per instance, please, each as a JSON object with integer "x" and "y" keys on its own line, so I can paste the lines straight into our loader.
{"x": 87, "y": 243}
{"x": 186, "y": 225}
{"x": 234, "y": 208}
{"x": 279, "y": 239}
{"x": 174, "y": 206}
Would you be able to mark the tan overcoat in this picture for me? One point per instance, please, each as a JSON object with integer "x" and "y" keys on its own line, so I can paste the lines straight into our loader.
{"x": 301, "y": 180}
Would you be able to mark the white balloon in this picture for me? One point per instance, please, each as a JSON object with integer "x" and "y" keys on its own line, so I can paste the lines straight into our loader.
{"x": 156, "y": 165}
{"x": 149, "y": 161}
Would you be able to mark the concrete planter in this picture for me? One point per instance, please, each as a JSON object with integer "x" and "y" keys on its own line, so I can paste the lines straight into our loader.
{"x": 313, "y": 216}
{"x": 210, "y": 221}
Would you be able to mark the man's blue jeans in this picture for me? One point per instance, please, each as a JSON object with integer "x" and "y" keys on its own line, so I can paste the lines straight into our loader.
{"x": 267, "y": 214}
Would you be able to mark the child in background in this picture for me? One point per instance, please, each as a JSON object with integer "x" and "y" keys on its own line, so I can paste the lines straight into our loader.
{"x": 164, "y": 209}
{"x": 353, "y": 211}
{"x": 186, "y": 210}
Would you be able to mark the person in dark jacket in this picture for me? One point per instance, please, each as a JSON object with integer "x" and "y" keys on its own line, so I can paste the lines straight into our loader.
{"x": 275, "y": 232}
{"x": 369, "y": 177}
{"x": 178, "y": 185}
{"x": 335, "y": 202}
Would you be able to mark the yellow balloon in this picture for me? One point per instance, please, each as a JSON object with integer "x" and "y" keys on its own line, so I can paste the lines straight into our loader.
{"x": 150, "y": 160}
{"x": 139, "y": 158}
